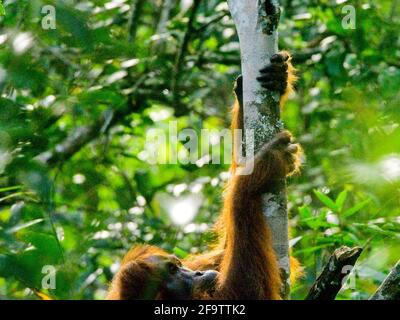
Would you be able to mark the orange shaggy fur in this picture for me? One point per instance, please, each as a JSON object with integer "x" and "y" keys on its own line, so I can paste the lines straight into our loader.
{"x": 243, "y": 253}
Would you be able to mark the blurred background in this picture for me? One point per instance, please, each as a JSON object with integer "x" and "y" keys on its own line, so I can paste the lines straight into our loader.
{"x": 82, "y": 82}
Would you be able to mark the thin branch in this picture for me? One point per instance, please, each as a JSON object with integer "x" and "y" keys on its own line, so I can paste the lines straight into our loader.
{"x": 214, "y": 20}
{"x": 161, "y": 29}
{"x": 85, "y": 134}
{"x": 136, "y": 12}
{"x": 390, "y": 287}
{"x": 330, "y": 281}
{"x": 188, "y": 35}
{"x": 164, "y": 16}
{"x": 185, "y": 44}
{"x": 78, "y": 139}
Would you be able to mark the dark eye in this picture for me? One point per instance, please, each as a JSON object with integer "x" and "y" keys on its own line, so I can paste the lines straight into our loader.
{"x": 172, "y": 268}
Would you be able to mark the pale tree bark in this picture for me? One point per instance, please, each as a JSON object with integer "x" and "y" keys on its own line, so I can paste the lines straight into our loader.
{"x": 256, "y": 23}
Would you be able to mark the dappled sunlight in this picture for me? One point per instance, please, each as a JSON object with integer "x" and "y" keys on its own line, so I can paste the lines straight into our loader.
{"x": 184, "y": 209}
{"x": 386, "y": 170}
{"x": 115, "y": 131}
{"x": 390, "y": 168}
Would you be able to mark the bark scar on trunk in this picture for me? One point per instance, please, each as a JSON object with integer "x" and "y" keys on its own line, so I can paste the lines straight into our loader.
{"x": 269, "y": 14}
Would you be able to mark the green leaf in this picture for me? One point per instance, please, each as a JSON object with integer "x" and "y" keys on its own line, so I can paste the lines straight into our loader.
{"x": 24, "y": 225}
{"x": 326, "y": 200}
{"x": 311, "y": 249}
{"x": 305, "y": 212}
{"x": 6, "y": 265}
{"x": 46, "y": 245}
{"x": 356, "y": 208}
{"x": 180, "y": 253}
{"x": 75, "y": 23}
{"x": 102, "y": 96}
{"x": 341, "y": 199}
{"x": 312, "y": 221}
{"x": 2, "y": 10}
{"x": 10, "y": 188}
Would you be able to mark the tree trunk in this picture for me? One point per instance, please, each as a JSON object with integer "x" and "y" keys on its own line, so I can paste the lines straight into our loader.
{"x": 256, "y": 22}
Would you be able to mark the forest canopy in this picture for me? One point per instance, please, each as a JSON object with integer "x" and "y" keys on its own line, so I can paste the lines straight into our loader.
{"x": 83, "y": 82}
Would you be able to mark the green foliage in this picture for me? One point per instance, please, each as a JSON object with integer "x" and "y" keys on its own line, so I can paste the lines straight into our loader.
{"x": 92, "y": 82}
